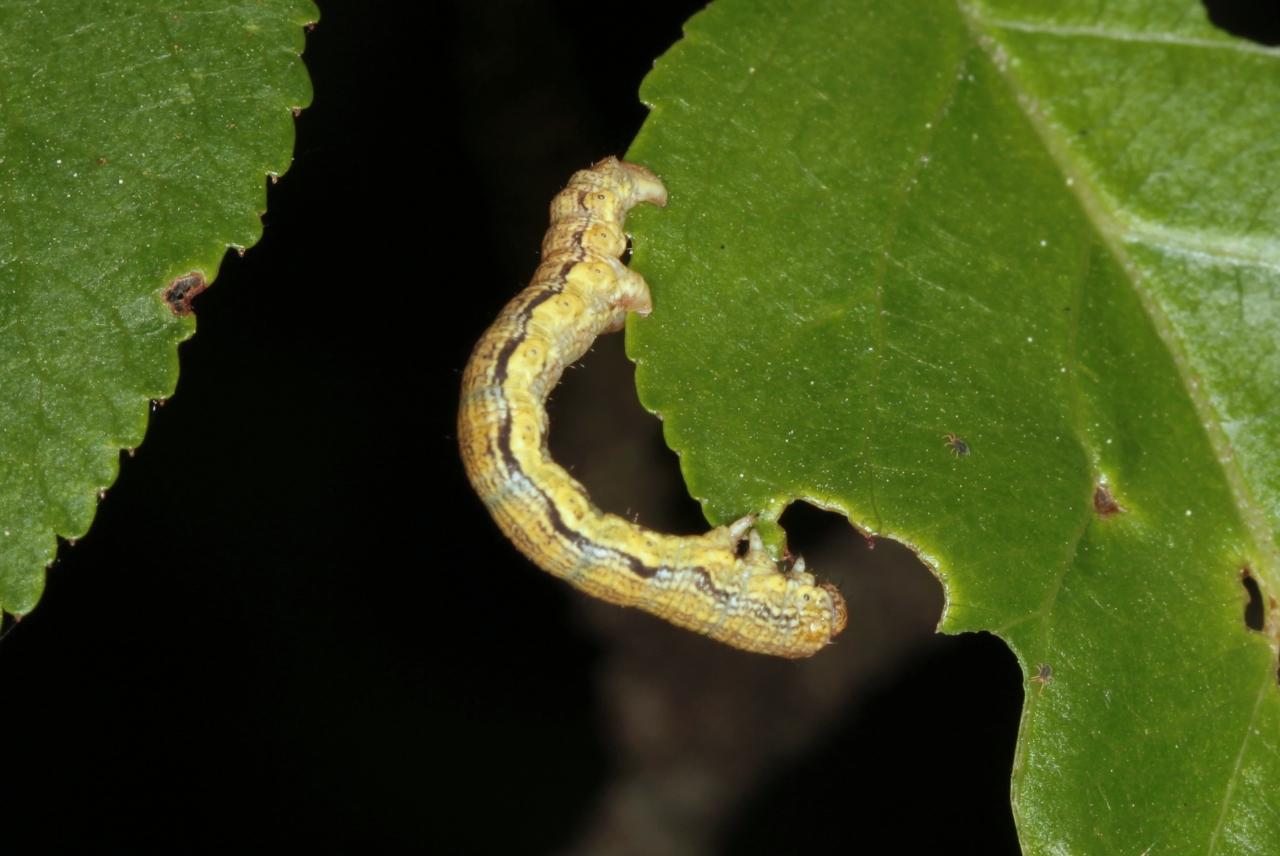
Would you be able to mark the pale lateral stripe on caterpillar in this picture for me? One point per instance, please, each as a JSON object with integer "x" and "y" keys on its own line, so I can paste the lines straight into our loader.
{"x": 580, "y": 290}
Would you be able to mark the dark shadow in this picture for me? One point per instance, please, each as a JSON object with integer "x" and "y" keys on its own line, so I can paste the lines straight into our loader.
{"x": 922, "y": 768}
{"x": 602, "y": 435}
{"x": 1256, "y": 20}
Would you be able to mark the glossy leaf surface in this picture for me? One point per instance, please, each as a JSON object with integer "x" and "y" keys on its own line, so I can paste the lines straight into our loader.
{"x": 1049, "y": 230}
{"x": 135, "y": 138}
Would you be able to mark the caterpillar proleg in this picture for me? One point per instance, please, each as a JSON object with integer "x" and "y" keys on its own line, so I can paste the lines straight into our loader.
{"x": 580, "y": 290}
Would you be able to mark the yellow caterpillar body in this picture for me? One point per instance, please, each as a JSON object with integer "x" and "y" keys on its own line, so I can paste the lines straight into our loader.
{"x": 582, "y": 289}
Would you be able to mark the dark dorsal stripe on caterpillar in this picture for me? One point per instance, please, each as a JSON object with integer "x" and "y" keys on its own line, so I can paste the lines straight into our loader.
{"x": 580, "y": 290}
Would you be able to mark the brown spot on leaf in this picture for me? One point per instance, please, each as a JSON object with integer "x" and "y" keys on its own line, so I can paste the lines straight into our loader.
{"x": 178, "y": 294}
{"x": 1105, "y": 504}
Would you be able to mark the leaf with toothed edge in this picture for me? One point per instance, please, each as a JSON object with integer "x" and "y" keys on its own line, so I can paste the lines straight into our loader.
{"x": 135, "y": 141}
{"x": 1046, "y": 232}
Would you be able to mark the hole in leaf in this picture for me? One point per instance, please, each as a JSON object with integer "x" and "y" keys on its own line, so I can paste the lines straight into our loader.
{"x": 864, "y": 568}
{"x": 1255, "y": 617}
{"x": 808, "y": 526}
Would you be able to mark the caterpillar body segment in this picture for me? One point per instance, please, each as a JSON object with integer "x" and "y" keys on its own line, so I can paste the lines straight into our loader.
{"x": 580, "y": 290}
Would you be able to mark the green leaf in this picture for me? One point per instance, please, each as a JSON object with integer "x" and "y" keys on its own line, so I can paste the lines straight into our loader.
{"x": 1051, "y": 230}
{"x": 135, "y": 138}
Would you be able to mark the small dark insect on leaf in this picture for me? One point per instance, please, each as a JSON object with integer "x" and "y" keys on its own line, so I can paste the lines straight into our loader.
{"x": 958, "y": 447}
{"x": 178, "y": 294}
{"x": 1043, "y": 675}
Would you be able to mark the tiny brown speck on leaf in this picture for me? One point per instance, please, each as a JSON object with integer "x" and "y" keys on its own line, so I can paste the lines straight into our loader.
{"x": 1043, "y": 675}
{"x": 178, "y": 294}
{"x": 1104, "y": 503}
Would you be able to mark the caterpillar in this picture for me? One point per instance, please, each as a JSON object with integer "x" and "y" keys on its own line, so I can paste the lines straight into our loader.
{"x": 581, "y": 289}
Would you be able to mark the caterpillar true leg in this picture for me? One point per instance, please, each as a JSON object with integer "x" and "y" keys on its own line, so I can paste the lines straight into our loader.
{"x": 580, "y": 290}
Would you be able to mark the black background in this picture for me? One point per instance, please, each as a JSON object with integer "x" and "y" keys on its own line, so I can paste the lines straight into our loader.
{"x": 293, "y": 626}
